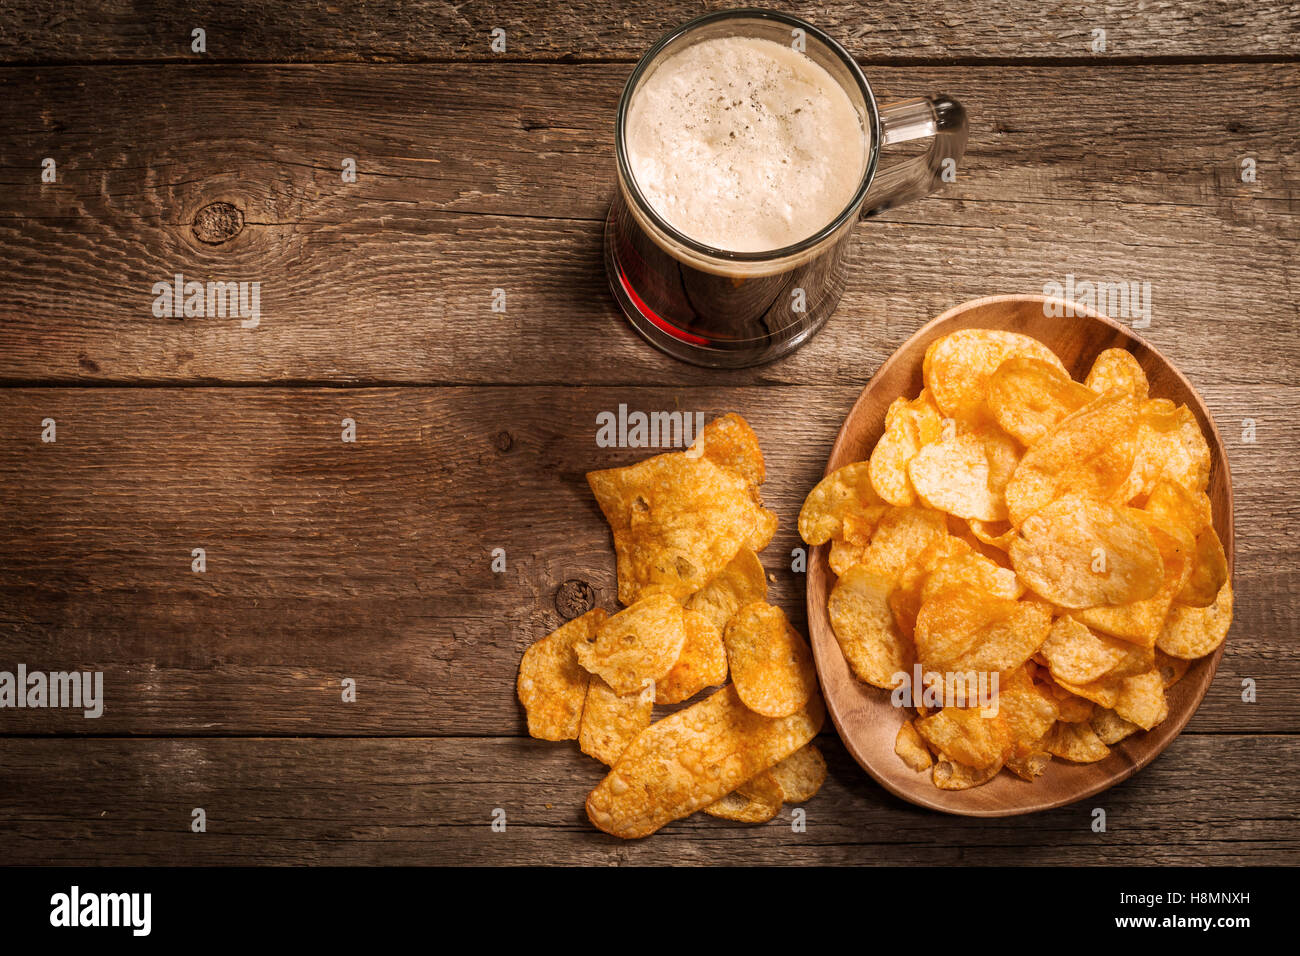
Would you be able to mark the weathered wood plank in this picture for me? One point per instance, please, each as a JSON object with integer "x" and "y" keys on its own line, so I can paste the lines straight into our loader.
{"x": 371, "y": 560}
{"x": 1206, "y": 800}
{"x": 392, "y": 30}
{"x": 497, "y": 175}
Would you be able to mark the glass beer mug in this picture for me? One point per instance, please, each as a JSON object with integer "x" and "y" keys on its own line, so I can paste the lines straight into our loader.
{"x": 723, "y": 308}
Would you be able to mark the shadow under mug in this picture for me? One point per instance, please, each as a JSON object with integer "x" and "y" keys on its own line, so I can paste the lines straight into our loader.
{"x": 724, "y": 309}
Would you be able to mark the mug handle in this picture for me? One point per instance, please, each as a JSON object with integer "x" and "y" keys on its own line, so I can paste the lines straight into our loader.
{"x": 939, "y": 116}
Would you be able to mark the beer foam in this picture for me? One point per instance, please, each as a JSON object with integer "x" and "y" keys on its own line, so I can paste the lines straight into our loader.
{"x": 744, "y": 144}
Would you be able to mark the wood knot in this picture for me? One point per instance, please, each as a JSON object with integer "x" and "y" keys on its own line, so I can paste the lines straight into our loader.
{"x": 218, "y": 222}
{"x": 503, "y": 441}
{"x": 573, "y": 598}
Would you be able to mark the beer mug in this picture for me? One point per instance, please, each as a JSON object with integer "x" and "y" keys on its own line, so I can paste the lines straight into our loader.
{"x": 725, "y": 308}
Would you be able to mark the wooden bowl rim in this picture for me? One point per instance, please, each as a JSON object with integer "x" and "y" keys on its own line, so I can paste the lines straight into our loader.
{"x": 823, "y": 640}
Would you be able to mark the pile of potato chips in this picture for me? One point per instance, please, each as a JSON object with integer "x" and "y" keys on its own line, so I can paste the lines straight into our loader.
{"x": 1013, "y": 522}
{"x": 687, "y": 526}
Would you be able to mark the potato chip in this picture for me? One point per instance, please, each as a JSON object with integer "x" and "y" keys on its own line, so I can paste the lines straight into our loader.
{"x": 801, "y": 774}
{"x": 1077, "y": 743}
{"x": 1171, "y": 503}
{"x": 1208, "y": 573}
{"x": 754, "y": 801}
{"x": 1140, "y": 621}
{"x": 1031, "y": 766}
{"x": 552, "y": 685}
{"x": 957, "y": 367}
{"x": 953, "y": 475}
{"x": 844, "y": 491}
{"x": 677, "y": 522}
{"x": 1006, "y": 640}
{"x": 1168, "y": 444}
{"x": 730, "y": 443}
{"x": 910, "y": 746}
{"x": 1026, "y": 711}
{"x": 965, "y": 629}
{"x": 771, "y": 664}
{"x": 1141, "y": 700}
{"x": 1117, "y": 368}
{"x": 909, "y": 427}
{"x": 1089, "y": 452}
{"x": 970, "y": 570}
{"x": 1171, "y": 669}
{"x": 1192, "y": 632}
{"x": 692, "y": 758}
{"x": 865, "y": 628}
{"x": 899, "y": 539}
{"x": 997, "y": 534}
{"x": 949, "y": 775}
{"x": 1078, "y": 655}
{"x": 741, "y": 582}
{"x": 963, "y": 735}
{"x": 610, "y": 722}
{"x": 1028, "y": 396}
{"x": 1110, "y": 727}
{"x": 1078, "y": 552}
{"x": 636, "y": 646}
{"x": 703, "y": 661}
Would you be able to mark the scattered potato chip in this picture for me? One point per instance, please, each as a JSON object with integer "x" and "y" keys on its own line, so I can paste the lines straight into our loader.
{"x": 1117, "y": 368}
{"x": 1079, "y": 552}
{"x": 677, "y": 522}
{"x": 997, "y": 534}
{"x": 1089, "y": 452}
{"x": 755, "y": 801}
{"x": 1028, "y": 396}
{"x": 771, "y": 664}
{"x": 844, "y": 491}
{"x": 909, "y": 427}
{"x": 729, "y": 442}
{"x": 801, "y": 774}
{"x": 636, "y": 646}
{"x": 692, "y": 758}
{"x": 910, "y": 745}
{"x": 610, "y": 722}
{"x": 552, "y": 685}
{"x": 1077, "y": 743}
{"x": 702, "y": 663}
{"x": 957, "y": 367}
{"x": 741, "y": 582}
{"x": 865, "y": 628}
{"x": 1192, "y": 632}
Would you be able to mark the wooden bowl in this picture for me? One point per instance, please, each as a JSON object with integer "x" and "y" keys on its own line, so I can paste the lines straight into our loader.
{"x": 867, "y": 721}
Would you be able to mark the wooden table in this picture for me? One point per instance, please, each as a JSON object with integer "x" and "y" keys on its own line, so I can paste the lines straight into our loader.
{"x": 371, "y": 560}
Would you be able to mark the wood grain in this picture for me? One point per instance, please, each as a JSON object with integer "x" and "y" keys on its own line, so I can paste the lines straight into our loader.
{"x": 371, "y": 560}
{"x": 394, "y": 30}
{"x": 1120, "y": 173}
{"x": 1208, "y": 799}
